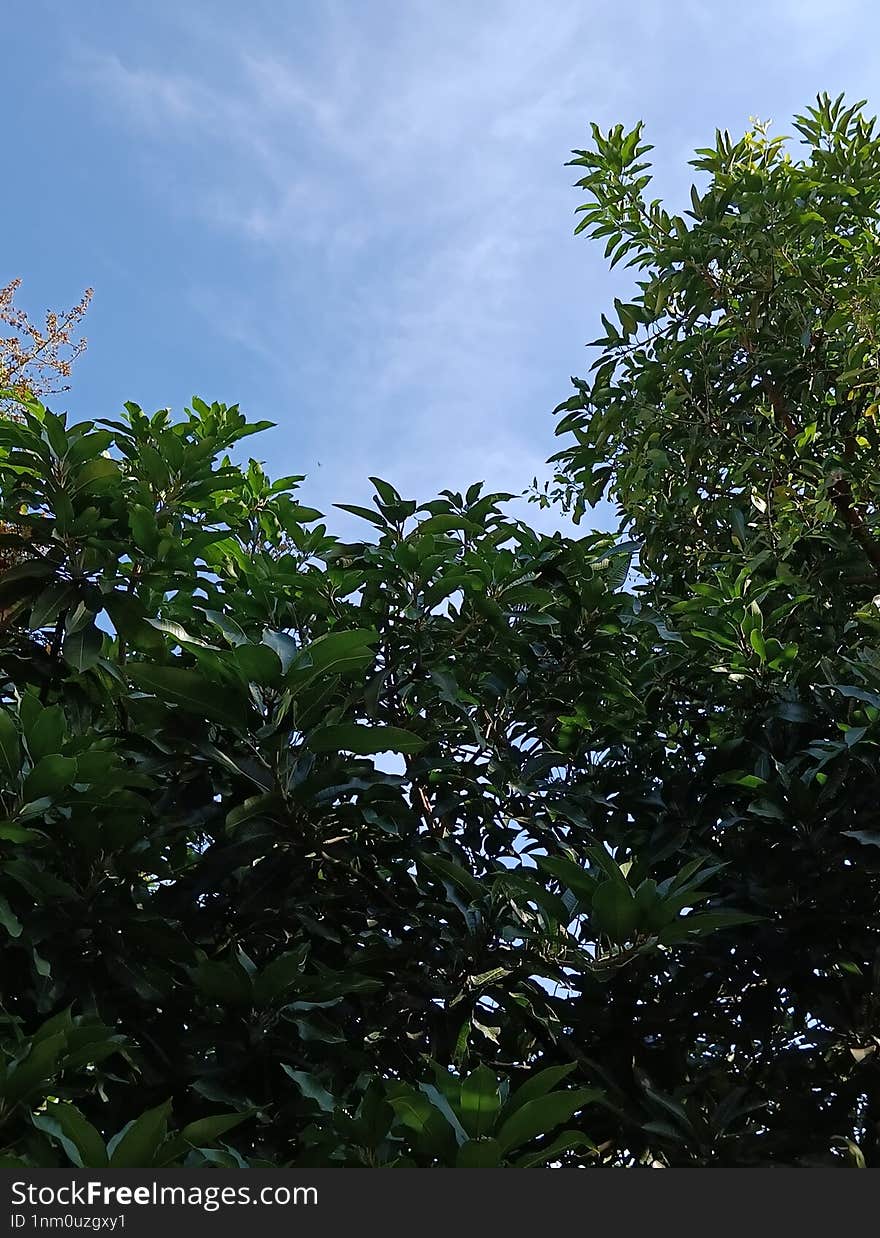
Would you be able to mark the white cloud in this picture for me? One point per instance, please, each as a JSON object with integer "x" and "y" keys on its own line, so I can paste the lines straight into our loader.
{"x": 395, "y": 174}
{"x": 421, "y": 179}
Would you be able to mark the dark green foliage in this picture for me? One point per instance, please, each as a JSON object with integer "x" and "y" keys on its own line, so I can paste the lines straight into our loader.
{"x": 451, "y": 847}
{"x": 269, "y": 800}
{"x": 732, "y": 416}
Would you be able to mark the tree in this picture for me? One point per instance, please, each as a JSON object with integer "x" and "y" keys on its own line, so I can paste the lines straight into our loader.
{"x": 463, "y": 844}
{"x": 731, "y": 414}
{"x": 36, "y": 360}
{"x": 201, "y": 832}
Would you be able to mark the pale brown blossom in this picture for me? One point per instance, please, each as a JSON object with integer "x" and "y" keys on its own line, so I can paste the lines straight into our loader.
{"x": 37, "y": 360}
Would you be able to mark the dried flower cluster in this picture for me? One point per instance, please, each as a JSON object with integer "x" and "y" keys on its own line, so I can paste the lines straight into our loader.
{"x": 34, "y": 361}
{"x": 37, "y": 360}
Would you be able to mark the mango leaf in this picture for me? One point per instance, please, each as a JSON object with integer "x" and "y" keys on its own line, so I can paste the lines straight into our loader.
{"x": 10, "y": 747}
{"x": 311, "y": 1088}
{"x": 50, "y": 775}
{"x": 277, "y": 977}
{"x": 700, "y": 923}
{"x": 34, "y": 1070}
{"x": 480, "y": 1102}
{"x": 542, "y": 1082}
{"x": 224, "y": 982}
{"x": 81, "y": 649}
{"x": 363, "y": 740}
{"x": 442, "y": 1105}
{"x": 82, "y": 1143}
{"x": 614, "y": 911}
{"x": 568, "y": 1141}
{"x": 448, "y": 871}
{"x": 283, "y": 645}
{"x": 192, "y": 692}
{"x": 479, "y": 1154}
{"x": 136, "y": 1145}
{"x": 540, "y": 1115}
{"x": 9, "y": 919}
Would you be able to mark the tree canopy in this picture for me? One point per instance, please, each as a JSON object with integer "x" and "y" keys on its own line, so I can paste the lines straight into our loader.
{"x": 462, "y": 844}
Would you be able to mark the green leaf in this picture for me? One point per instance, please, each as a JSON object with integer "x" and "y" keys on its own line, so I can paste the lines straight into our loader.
{"x": 758, "y": 643}
{"x": 234, "y": 634}
{"x": 614, "y": 911}
{"x": 332, "y": 654}
{"x": 363, "y": 740}
{"x": 10, "y": 746}
{"x": 55, "y": 432}
{"x": 385, "y": 490}
{"x": 224, "y": 982}
{"x": 88, "y": 447}
{"x": 81, "y": 649}
{"x": 258, "y": 664}
{"x": 479, "y": 1154}
{"x": 82, "y": 1143}
{"x": 130, "y": 619}
{"x": 480, "y": 1102}
{"x": 276, "y": 978}
{"x": 539, "y": 1084}
{"x": 577, "y": 879}
{"x": 284, "y": 646}
{"x": 206, "y": 1130}
{"x": 189, "y": 690}
{"x": 180, "y": 634}
{"x": 136, "y": 1145}
{"x": 870, "y": 838}
{"x": 54, "y": 599}
{"x": 49, "y": 776}
{"x": 99, "y": 474}
{"x": 17, "y": 834}
{"x": 311, "y": 1088}
{"x": 857, "y": 694}
{"x": 447, "y": 870}
{"x": 35, "y": 1070}
{"x": 21, "y": 580}
{"x": 364, "y": 513}
{"x": 441, "y": 1103}
{"x": 144, "y": 529}
{"x": 255, "y": 806}
{"x": 699, "y": 923}
{"x": 541, "y": 1115}
{"x": 412, "y": 1109}
{"x": 46, "y": 736}
{"x": 568, "y": 1141}
{"x": 9, "y": 919}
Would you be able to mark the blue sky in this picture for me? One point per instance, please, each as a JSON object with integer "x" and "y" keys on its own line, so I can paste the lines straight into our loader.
{"x": 353, "y": 218}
